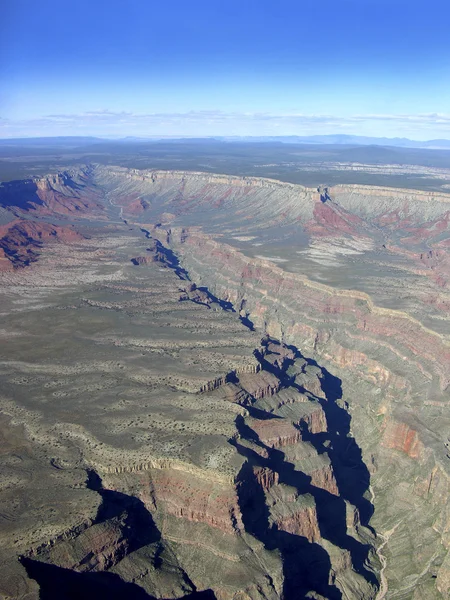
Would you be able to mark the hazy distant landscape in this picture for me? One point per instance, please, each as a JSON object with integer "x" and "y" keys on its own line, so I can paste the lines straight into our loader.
{"x": 305, "y": 163}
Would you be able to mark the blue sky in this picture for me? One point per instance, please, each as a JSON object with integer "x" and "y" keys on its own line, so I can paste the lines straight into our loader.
{"x": 225, "y": 67}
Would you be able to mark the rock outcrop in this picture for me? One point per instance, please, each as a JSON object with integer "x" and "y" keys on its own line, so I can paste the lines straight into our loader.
{"x": 21, "y": 241}
{"x": 361, "y": 294}
{"x": 241, "y": 389}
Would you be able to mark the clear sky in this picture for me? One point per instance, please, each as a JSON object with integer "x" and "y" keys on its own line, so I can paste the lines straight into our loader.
{"x": 225, "y": 67}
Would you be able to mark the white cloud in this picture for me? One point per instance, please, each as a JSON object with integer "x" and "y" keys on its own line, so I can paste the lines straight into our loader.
{"x": 216, "y": 122}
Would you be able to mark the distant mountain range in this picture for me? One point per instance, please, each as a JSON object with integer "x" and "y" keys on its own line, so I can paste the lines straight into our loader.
{"x": 348, "y": 140}
{"x": 67, "y": 140}
{"x": 333, "y": 139}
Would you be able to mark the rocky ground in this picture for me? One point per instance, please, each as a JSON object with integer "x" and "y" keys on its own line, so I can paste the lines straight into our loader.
{"x": 221, "y": 386}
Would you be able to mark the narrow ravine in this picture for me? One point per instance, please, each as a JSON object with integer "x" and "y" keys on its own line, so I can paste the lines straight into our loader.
{"x": 351, "y": 474}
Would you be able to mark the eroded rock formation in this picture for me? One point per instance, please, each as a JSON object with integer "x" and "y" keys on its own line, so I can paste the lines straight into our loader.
{"x": 240, "y": 389}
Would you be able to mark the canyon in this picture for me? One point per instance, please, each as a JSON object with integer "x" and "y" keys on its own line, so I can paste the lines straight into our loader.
{"x": 223, "y": 387}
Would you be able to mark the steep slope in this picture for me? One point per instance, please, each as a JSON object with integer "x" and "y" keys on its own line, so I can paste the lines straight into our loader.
{"x": 387, "y": 340}
{"x": 265, "y": 452}
{"x": 153, "y": 447}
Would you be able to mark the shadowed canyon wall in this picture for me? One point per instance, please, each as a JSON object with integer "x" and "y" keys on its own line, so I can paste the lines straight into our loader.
{"x": 336, "y": 434}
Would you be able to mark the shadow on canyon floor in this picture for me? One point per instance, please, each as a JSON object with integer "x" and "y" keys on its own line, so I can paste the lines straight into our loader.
{"x": 58, "y": 583}
{"x": 307, "y": 565}
{"x": 166, "y": 256}
{"x": 352, "y": 475}
{"x": 136, "y": 516}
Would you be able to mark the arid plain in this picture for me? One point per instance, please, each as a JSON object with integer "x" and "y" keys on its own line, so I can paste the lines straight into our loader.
{"x": 223, "y": 386}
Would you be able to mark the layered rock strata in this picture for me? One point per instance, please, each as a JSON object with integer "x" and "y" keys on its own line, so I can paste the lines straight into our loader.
{"x": 386, "y": 338}
{"x": 320, "y": 455}
{"x": 153, "y": 447}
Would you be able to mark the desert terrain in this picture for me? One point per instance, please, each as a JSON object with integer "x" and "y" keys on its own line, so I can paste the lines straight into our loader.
{"x": 224, "y": 386}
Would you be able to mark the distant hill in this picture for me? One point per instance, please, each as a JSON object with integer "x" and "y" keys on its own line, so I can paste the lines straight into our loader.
{"x": 334, "y": 139}
{"x": 342, "y": 139}
{"x": 71, "y": 141}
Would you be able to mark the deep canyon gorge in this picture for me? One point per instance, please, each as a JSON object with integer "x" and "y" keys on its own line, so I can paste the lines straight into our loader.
{"x": 223, "y": 387}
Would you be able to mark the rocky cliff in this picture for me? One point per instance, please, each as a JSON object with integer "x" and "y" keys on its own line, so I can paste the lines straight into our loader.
{"x": 253, "y": 400}
{"x": 387, "y": 340}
